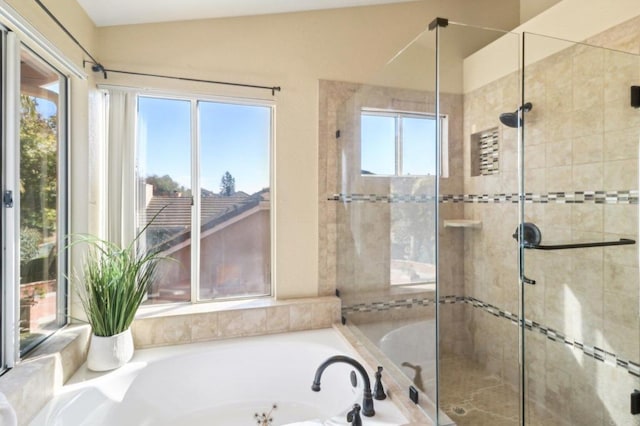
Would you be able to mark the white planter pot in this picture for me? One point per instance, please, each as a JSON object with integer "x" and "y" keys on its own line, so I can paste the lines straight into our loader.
{"x": 108, "y": 353}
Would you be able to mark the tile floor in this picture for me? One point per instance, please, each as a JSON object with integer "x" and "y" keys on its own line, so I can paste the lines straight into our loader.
{"x": 471, "y": 396}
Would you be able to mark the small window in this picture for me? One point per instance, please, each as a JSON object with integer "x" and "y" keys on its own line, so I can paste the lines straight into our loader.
{"x": 401, "y": 144}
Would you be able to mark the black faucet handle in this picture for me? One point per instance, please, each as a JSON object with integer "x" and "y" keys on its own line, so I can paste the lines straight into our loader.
{"x": 353, "y": 416}
{"x": 378, "y": 389}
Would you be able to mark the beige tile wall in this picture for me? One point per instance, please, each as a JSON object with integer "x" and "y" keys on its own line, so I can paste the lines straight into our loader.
{"x": 490, "y": 253}
{"x": 361, "y": 230}
{"x": 581, "y": 135}
{"x": 355, "y": 238}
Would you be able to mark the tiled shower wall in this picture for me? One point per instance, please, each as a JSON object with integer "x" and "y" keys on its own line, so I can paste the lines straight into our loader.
{"x": 490, "y": 252}
{"x": 354, "y": 227}
{"x": 581, "y": 168}
{"x": 581, "y": 173}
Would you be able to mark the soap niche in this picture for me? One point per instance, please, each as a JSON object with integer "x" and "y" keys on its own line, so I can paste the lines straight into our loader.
{"x": 485, "y": 152}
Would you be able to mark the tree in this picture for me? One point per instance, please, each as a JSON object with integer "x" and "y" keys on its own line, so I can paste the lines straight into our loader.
{"x": 165, "y": 186}
{"x": 227, "y": 184}
{"x": 38, "y": 167}
{"x": 30, "y": 239}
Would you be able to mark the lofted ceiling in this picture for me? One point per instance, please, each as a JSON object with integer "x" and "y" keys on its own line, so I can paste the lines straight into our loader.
{"x": 122, "y": 12}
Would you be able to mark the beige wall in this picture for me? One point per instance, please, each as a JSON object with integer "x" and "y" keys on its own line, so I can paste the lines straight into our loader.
{"x": 290, "y": 50}
{"x": 293, "y": 51}
{"x": 71, "y": 15}
{"x": 574, "y": 20}
{"x": 531, "y": 8}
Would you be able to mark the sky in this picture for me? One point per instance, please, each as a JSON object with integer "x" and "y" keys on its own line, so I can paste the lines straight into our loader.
{"x": 236, "y": 138}
{"x": 233, "y": 138}
{"x": 46, "y": 108}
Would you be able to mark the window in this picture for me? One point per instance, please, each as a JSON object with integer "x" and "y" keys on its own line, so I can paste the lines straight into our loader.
{"x": 203, "y": 168}
{"x": 42, "y": 200}
{"x": 403, "y": 144}
{"x": 400, "y": 143}
{"x": 34, "y": 94}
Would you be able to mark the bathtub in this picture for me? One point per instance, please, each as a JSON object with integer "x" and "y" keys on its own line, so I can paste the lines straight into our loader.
{"x": 409, "y": 344}
{"x": 413, "y": 342}
{"x": 229, "y": 382}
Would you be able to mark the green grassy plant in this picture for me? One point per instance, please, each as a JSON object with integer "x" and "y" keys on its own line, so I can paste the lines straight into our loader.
{"x": 114, "y": 282}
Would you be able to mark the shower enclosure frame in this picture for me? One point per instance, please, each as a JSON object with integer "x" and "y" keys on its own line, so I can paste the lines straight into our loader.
{"x": 366, "y": 216}
{"x": 613, "y": 76}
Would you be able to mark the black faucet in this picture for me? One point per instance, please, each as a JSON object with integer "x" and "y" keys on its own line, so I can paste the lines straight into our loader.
{"x": 367, "y": 401}
{"x": 353, "y": 416}
{"x": 378, "y": 389}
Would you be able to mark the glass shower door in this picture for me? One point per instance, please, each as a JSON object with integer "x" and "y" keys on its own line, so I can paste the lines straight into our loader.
{"x": 383, "y": 204}
{"x": 478, "y": 368}
{"x": 580, "y": 260}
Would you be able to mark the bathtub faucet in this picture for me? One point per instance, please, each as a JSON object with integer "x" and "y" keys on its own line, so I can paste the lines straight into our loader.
{"x": 367, "y": 401}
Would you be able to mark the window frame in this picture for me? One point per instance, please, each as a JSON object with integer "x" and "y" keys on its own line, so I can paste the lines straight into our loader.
{"x": 196, "y": 220}
{"x": 12, "y": 44}
{"x": 398, "y": 115}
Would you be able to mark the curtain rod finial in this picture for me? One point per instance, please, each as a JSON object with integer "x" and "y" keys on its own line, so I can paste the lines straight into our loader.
{"x": 99, "y": 68}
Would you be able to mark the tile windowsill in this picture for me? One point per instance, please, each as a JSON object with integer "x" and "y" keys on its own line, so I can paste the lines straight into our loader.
{"x": 190, "y": 323}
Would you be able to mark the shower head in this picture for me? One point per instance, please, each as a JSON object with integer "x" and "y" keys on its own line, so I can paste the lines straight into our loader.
{"x": 510, "y": 119}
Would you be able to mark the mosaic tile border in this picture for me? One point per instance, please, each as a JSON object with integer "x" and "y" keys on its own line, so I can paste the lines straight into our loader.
{"x": 594, "y": 352}
{"x": 387, "y": 305}
{"x": 578, "y": 197}
{"x": 378, "y": 198}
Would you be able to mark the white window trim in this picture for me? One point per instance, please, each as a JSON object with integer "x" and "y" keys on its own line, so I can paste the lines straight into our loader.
{"x": 11, "y": 231}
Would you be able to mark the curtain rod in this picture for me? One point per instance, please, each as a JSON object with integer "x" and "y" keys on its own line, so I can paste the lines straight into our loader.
{"x": 273, "y": 89}
{"x": 98, "y": 67}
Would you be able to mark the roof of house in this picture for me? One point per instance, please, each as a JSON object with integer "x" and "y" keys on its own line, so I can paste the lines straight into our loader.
{"x": 175, "y": 212}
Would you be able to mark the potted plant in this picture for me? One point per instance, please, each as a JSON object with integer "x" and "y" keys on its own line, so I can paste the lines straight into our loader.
{"x": 111, "y": 288}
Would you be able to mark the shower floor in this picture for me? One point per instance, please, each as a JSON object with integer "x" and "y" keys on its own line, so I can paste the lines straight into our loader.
{"x": 471, "y": 396}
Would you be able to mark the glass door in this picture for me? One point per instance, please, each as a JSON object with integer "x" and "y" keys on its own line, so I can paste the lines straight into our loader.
{"x": 478, "y": 339}
{"x": 380, "y": 153}
{"x": 580, "y": 259}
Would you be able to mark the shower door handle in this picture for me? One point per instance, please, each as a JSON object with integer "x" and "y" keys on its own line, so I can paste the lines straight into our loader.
{"x": 528, "y": 280}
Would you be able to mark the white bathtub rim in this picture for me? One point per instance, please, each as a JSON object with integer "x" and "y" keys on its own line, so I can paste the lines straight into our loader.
{"x": 87, "y": 384}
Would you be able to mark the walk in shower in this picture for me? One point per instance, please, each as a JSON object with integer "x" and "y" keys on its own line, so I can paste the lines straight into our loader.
{"x": 478, "y": 220}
